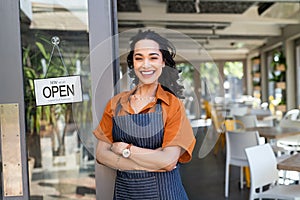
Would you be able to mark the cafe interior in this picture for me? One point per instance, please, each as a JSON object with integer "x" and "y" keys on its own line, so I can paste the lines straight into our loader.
{"x": 239, "y": 61}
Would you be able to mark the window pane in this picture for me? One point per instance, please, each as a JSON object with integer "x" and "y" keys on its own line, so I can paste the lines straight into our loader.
{"x": 233, "y": 84}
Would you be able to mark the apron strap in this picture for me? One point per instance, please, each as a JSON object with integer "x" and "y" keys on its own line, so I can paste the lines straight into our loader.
{"x": 118, "y": 108}
{"x": 158, "y": 107}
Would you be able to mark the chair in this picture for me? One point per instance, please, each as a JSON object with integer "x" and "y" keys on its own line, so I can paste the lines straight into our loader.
{"x": 248, "y": 120}
{"x": 221, "y": 125}
{"x": 236, "y": 142}
{"x": 291, "y": 143}
{"x": 261, "y": 114}
{"x": 292, "y": 114}
{"x": 290, "y": 119}
{"x": 207, "y": 108}
{"x": 263, "y": 117}
{"x": 263, "y": 168}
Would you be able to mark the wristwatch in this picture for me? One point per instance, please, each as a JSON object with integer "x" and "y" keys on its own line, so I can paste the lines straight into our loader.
{"x": 126, "y": 152}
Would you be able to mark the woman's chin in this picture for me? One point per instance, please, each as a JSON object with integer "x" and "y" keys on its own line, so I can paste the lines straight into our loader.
{"x": 148, "y": 82}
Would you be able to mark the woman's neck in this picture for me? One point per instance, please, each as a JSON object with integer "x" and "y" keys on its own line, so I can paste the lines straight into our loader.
{"x": 146, "y": 90}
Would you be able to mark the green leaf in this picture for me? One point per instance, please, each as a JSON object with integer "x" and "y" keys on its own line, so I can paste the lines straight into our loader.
{"x": 43, "y": 51}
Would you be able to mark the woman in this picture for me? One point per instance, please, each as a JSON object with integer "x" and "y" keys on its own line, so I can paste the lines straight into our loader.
{"x": 144, "y": 133}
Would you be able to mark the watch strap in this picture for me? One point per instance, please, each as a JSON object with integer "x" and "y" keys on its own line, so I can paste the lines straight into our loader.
{"x": 128, "y": 146}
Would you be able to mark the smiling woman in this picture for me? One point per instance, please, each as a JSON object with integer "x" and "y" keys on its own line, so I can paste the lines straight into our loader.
{"x": 144, "y": 133}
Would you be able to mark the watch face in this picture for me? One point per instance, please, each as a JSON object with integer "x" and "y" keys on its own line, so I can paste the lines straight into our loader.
{"x": 126, "y": 153}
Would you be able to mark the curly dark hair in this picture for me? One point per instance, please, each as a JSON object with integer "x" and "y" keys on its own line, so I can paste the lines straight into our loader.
{"x": 170, "y": 75}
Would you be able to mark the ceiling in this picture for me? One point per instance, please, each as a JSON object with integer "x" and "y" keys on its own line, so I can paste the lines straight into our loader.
{"x": 227, "y": 29}
{"x": 224, "y": 29}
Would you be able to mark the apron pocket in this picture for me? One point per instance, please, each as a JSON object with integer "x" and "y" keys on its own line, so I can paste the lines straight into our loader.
{"x": 138, "y": 188}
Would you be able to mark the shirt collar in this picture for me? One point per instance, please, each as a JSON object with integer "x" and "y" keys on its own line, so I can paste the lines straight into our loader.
{"x": 162, "y": 95}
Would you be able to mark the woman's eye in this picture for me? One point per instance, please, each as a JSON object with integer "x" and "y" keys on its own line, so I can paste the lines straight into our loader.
{"x": 137, "y": 58}
{"x": 154, "y": 58}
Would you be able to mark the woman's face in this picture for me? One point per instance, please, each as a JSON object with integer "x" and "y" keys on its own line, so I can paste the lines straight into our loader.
{"x": 147, "y": 61}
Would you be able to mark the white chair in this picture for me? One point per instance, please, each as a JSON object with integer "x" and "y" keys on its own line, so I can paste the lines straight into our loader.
{"x": 251, "y": 120}
{"x": 236, "y": 142}
{"x": 264, "y": 117}
{"x": 263, "y": 170}
{"x": 292, "y": 114}
{"x": 248, "y": 120}
{"x": 291, "y": 143}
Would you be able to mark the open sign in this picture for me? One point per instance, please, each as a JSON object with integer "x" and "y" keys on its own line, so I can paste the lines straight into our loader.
{"x": 58, "y": 90}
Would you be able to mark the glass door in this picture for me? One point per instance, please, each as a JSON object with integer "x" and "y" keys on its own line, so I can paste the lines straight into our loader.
{"x": 55, "y": 43}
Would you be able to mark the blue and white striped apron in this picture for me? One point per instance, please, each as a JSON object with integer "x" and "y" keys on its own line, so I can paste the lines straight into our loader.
{"x": 146, "y": 131}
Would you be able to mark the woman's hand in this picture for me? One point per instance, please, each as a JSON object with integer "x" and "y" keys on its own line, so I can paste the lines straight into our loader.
{"x": 152, "y": 159}
{"x": 105, "y": 155}
{"x": 118, "y": 147}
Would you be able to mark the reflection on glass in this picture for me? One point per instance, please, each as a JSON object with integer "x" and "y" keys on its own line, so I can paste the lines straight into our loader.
{"x": 58, "y": 135}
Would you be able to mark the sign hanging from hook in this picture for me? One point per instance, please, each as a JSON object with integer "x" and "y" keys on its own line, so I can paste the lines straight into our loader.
{"x": 66, "y": 89}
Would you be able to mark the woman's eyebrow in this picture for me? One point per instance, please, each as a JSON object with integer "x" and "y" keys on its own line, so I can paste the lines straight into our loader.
{"x": 138, "y": 54}
{"x": 154, "y": 54}
{"x": 151, "y": 54}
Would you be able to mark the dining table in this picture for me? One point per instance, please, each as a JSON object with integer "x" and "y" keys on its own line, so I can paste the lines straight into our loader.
{"x": 195, "y": 123}
{"x": 200, "y": 125}
{"x": 291, "y": 163}
{"x": 277, "y": 132}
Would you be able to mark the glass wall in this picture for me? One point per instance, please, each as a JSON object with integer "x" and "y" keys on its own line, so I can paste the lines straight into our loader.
{"x": 228, "y": 90}
{"x": 233, "y": 84}
{"x": 55, "y": 43}
{"x": 211, "y": 81}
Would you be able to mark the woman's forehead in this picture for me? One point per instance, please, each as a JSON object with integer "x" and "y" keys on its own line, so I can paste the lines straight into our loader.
{"x": 146, "y": 44}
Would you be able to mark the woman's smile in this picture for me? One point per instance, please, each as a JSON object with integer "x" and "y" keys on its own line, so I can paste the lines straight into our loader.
{"x": 147, "y": 72}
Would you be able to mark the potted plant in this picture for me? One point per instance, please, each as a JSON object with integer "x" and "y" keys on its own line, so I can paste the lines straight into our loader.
{"x": 279, "y": 77}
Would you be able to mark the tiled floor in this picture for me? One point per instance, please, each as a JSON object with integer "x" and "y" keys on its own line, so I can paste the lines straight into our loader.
{"x": 64, "y": 184}
{"x": 204, "y": 178}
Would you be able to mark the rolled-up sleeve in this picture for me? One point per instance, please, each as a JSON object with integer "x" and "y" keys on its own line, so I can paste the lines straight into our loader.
{"x": 178, "y": 131}
{"x": 103, "y": 131}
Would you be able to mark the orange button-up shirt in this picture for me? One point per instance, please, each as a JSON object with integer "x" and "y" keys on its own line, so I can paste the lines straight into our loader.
{"x": 177, "y": 128}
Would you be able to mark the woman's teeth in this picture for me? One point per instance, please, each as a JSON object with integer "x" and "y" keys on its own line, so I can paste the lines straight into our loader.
{"x": 148, "y": 73}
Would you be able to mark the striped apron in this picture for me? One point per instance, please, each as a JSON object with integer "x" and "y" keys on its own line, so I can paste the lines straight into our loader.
{"x": 145, "y": 130}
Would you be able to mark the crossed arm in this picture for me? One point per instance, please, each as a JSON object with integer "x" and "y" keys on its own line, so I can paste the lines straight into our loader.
{"x": 161, "y": 159}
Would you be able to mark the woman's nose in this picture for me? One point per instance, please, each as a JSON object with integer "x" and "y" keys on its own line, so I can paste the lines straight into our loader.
{"x": 147, "y": 63}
